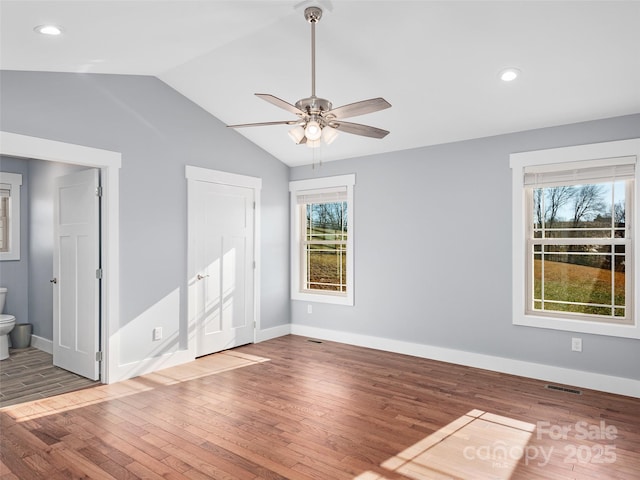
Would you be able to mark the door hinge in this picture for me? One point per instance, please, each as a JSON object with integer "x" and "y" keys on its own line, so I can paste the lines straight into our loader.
{"x": 99, "y": 274}
{"x": 254, "y": 264}
{"x": 99, "y": 191}
{"x": 99, "y": 357}
{"x": 254, "y": 205}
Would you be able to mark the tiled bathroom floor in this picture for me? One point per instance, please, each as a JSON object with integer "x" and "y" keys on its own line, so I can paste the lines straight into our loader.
{"x": 29, "y": 374}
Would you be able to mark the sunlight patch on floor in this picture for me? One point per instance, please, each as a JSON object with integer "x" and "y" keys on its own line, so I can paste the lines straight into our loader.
{"x": 201, "y": 367}
{"x": 475, "y": 445}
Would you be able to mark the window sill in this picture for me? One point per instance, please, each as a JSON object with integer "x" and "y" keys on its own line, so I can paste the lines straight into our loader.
{"x": 579, "y": 326}
{"x": 331, "y": 298}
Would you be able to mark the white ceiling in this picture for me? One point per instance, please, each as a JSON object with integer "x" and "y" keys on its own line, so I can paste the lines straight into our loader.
{"x": 437, "y": 63}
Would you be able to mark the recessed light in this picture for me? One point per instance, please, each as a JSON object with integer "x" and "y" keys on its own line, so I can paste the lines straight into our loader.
{"x": 509, "y": 74}
{"x": 48, "y": 29}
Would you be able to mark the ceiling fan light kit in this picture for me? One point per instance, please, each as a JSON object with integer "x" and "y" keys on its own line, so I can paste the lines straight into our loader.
{"x": 317, "y": 120}
{"x": 297, "y": 134}
{"x": 329, "y": 134}
{"x": 313, "y": 131}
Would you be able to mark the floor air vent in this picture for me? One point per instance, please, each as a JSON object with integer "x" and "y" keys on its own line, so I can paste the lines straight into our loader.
{"x": 563, "y": 389}
{"x": 314, "y": 341}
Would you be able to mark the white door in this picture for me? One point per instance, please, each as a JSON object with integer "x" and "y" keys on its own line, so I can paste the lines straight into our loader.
{"x": 76, "y": 288}
{"x": 223, "y": 271}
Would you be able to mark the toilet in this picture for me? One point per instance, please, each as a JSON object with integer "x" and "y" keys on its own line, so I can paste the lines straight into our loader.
{"x": 7, "y": 322}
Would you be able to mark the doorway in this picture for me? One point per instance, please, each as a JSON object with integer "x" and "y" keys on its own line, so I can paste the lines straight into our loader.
{"x": 59, "y": 251}
{"x": 23, "y": 146}
{"x": 223, "y": 218}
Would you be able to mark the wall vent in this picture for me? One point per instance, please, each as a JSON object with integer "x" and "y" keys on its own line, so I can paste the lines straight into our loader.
{"x": 563, "y": 389}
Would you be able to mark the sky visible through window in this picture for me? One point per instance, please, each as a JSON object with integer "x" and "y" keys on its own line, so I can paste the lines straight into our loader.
{"x": 604, "y": 196}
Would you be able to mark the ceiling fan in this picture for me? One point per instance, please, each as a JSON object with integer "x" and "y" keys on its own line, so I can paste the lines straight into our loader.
{"x": 317, "y": 119}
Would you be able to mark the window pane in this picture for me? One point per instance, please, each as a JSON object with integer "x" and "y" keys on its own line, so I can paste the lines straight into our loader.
{"x": 565, "y": 280}
{"x": 327, "y": 267}
{"x": 556, "y": 205}
{"x": 580, "y": 232}
{"x": 326, "y": 221}
{"x": 537, "y": 279}
{"x": 4, "y": 224}
{"x": 619, "y": 209}
{"x": 538, "y": 208}
{"x": 620, "y": 278}
{"x": 579, "y": 279}
{"x": 594, "y": 210}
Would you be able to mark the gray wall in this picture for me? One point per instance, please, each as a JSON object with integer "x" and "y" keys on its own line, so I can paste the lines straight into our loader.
{"x": 158, "y": 132}
{"x": 433, "y": 251}
{"x": 14, "y": 274}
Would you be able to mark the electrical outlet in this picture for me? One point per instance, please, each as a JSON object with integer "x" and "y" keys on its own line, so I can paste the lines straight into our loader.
{"x": 576, "y": 344}
{"x": 157, "y": 333}
{"x": 309, "y": 308}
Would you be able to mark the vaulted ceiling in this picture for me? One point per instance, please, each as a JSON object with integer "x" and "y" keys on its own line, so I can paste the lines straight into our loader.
{"x": 437, "y": 63}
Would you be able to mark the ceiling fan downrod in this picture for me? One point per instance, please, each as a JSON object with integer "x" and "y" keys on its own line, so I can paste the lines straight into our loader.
{"x": 313, "y": 16}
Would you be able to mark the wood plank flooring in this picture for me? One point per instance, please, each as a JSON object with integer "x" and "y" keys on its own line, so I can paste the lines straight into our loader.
{"x": 29, "y": 374}
{"x": 323, "y": 411}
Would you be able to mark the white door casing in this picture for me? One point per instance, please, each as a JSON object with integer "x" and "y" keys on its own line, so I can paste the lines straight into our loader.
{"x": 76, "y": 260}
{"x": 109, "y": 163}
{"x": 222, "y": 259}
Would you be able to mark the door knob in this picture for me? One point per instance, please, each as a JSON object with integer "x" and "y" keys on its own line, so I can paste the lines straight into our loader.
{"x": 200, "y": 277}
{"x": 53, "y": 280}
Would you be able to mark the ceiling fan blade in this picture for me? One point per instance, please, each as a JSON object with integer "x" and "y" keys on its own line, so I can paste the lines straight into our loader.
{"x": 358, "y": 129}
{"x": 359, "y": 108}
{"x": 278, "y": 102}
{"x": 262, "y": 124}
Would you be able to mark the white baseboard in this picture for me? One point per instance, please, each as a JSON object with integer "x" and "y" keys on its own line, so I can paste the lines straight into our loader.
{"x": 126, "y": 371}
{"x": 149, "y": 365}
{"x": 43, "y": 344}
{"x": 273, "y": 332}
{"x": 549, "y": 373}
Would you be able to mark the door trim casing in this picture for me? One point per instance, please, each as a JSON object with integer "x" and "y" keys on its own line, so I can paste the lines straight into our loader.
{"x": 199, "y": 174}
{"x": 109, "y": 163}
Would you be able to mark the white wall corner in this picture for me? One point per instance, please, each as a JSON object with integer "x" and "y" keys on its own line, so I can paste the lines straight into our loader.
{"x": 273, "y": 332}
{"x": 43, "y": 344}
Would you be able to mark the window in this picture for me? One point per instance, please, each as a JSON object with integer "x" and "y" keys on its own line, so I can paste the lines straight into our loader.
{"x": 574, "y": 222}
{"x": 322, "y": 239}
{"x": 577, "y": 242}
{"x": 5, "y": 196}
{"x": 10, "y": 215}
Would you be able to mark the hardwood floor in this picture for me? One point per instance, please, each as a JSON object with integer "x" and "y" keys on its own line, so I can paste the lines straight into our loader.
{"x": 29, "y": 374}
{"x": 322, "y": 411}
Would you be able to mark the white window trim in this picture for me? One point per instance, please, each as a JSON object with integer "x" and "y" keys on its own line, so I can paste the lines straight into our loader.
{"x": 518, "y": 162}
{"x": 296, "y": 288}
{"x": 15, "y": 181}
